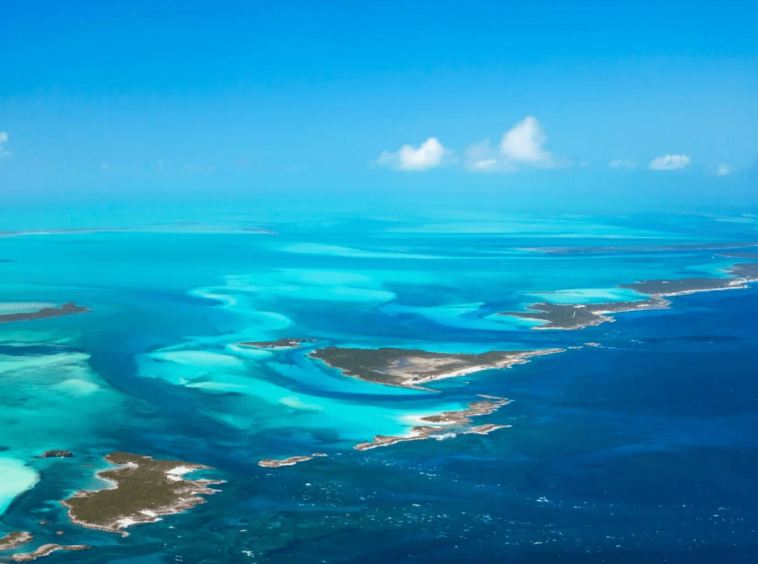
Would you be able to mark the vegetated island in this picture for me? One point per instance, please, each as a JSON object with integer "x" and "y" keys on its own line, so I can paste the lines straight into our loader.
{"x": 45, "y": 550}
{"x": 444, "y": 425}
{"x": 69, "y": 308}
{"x": 407, "y": 368}
{"x": 14, "y": 539}
{"x": 144, "y": 489}
{"x": 278, "y": 344}
{"x": 291, "y": 461}
{"x": 578, "y": 316}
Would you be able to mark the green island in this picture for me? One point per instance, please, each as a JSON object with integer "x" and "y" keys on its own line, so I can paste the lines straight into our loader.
{"x": 409, "y": 368}
{"x": 69, "y": 308}
{"x": 144, "y": 489}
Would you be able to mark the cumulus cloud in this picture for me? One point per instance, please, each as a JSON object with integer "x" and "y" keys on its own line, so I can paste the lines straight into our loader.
{"x": 670, "y": 162}
{"x": 3, "y": 141}
{"x": 521, "y": 146}
{"x": 622, "y": 163}
{"x": 429, "y": 154}
{"x": 723, "y": 170}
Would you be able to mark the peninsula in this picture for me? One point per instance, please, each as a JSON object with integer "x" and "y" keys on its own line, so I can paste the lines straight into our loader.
{"x": 69, "y": 308}
{"x": 144, "y": 490}
{"x": 408, "y": 368}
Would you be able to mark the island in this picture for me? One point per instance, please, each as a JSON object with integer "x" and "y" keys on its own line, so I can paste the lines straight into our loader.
{"x": 69, "y": 308}
{"x": 291, "y": 461}
{"x": 444, "y": 425}
{"x": 409, "y": 368}
{"x": 12, "y": 540}
{"x": 45, "y": 550}
{"x": 278, "y": 344}
{"x": 56, "y": 454}
{"x": 144, "y": 489}
{"x": 579, "y": 316}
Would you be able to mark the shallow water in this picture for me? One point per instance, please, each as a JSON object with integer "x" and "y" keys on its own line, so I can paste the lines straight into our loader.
{"x": 640, "y": 449}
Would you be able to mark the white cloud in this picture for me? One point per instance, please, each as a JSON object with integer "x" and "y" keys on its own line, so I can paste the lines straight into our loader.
{"x": 670, "y": 162}
{"x": 723, "y": 170}
{"x": 429, "y": 154}
{"x": 3, "y": 141}
{"x": 523, "y": 145}
{"x": 622, "y": 163}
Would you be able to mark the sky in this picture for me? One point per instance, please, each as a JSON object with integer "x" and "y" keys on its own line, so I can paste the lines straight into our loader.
{"x": 537, "y": 105}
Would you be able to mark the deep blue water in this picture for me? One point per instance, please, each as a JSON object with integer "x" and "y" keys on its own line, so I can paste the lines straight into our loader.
{"x": 642, "y": 449}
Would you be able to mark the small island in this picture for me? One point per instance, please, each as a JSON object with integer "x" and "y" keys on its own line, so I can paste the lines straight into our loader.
{"x": 579, "y": 316}
{"x": 56, "y": 454}
{"x": 408, "y": 368}
{"x": 291, "y": 461}
{"x": 45, "y": 550}
{"x": 278, "y": 344}
{"x": 144, "y": 490}
{"x": 69, "y": 308}
{"x": 12, "y": 540}
{"x": 444, "y": 425}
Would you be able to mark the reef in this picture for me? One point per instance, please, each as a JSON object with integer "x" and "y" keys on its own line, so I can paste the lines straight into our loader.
{"x": 291, "y": 461}
{"x": 69, "y": 308}
{"x": 409, "y": 368}
{"x": 144, "y": 489}
{"x": 45, "y": 550}
{"x": 278, "y": 344}
{"x": 56, "y": 454}
{"x": 444, "y": 425}
{"x": 17, "y": 538}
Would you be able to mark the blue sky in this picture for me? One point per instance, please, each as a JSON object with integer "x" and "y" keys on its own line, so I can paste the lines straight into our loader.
{"x": 254, "y": 101}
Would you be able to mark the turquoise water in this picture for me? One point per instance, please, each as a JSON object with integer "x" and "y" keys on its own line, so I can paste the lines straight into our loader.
{"x": 155, "y": 369}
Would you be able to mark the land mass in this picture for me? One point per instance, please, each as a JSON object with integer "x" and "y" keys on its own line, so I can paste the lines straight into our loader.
{"x": 14, "y": 539}
{"x": 407, "y": 368}
{"x": 445, "y": 424}
{"x": 69, "y": 308}
{"x": 56, "y": 454}
{"x": 144, "y": 489}
{"x": 45, "y": 550}
{"x": 278, "y": 344}
{"x": 578, "y": 316}
{"x": 291, "y": 461}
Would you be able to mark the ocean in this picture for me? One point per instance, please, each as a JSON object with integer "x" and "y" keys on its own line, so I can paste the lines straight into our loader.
{"x": 640, "y": 447}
